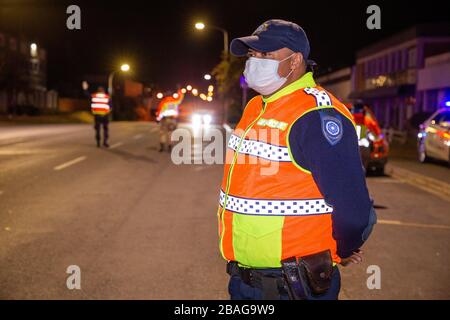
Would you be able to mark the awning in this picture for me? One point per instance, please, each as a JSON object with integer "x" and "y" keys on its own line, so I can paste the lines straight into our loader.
{"x": 384, "y": 92}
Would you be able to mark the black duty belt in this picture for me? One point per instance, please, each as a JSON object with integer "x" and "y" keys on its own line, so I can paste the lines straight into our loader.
{"x": 272, "y": 282}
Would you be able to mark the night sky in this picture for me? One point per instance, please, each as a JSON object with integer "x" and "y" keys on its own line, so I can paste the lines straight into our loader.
{"x": 159, "y": 41}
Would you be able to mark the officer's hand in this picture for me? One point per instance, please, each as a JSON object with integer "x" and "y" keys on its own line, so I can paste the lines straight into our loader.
{"x": 355, "y": 258}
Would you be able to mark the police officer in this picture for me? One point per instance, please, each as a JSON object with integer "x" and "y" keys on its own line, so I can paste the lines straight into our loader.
{"x": 168, "y": 119}
{"x": 293, "y": 201}
{"x": 101, "y": 109}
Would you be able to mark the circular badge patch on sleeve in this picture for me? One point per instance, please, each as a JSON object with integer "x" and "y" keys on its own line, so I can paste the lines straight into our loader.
{"x": 331, "y": 128}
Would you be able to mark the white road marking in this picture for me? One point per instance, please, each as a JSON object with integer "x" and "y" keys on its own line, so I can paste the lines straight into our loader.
{"x": 138, "y": 136}
{"x": 69, "y": 163}
{"x": 387, "y": 180}
{"x": 118, "y": 144}
{"x": 410, "y": 224}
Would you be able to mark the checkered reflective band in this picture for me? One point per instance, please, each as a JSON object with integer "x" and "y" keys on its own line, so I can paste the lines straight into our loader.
{"x": 260, "y": 149}
{"x": 267, "y": 207}
{"x": 322, "y": 98}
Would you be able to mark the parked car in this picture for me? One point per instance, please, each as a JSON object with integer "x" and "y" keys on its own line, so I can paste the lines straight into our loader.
{"x": 433, "y": 139}
{"x": 373, "y": 146}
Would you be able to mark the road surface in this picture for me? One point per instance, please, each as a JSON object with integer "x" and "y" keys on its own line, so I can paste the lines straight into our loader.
{"x": 141, "y": 227}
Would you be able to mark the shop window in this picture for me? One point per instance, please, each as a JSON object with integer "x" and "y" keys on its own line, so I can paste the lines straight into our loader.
{"x": 412, "y": 57}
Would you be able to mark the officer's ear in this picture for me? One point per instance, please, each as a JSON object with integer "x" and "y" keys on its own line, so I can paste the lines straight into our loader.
{"x": 297, "y": 62}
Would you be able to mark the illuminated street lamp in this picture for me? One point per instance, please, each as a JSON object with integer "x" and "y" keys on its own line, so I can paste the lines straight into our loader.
{"x": 209, "y": 99}
{"x": 203, "y": 96}
{"x": 175, "y": 95}
{"x": 195, "y": 92}
{"x": 33, "y": 50}
{"x": 207, "y": 77}
{"x": 189, "y": 87}
{"x": 159, "y": 95}
{"x": 183, "y": 90}
{"x": 124, "y": 68}
{"x": 200, "y": 26}
{"x": 210, "y": 88}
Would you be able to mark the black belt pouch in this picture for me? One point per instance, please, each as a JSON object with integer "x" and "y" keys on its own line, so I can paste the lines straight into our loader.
{"x": 317, "y": 270}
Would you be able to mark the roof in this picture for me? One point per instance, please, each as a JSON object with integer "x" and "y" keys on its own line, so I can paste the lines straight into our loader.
{"x": 423, "y": 30}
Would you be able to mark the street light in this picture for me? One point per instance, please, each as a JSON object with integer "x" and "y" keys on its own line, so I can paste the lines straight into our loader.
{"x": 33, "y": 50}
{"x": 159, "y": 95}
{"x": 189, "y": 87}
{"x": 200, "y": 26}
{"x": 207, "y": 77}
{"x": 124, "y": 68}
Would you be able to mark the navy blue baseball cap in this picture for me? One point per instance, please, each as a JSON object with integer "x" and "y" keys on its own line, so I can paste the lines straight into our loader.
{"x": 273, "y": 35}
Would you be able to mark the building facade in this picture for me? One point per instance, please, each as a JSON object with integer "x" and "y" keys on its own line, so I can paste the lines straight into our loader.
{"x": 387, "y": 74}
{"x": 23, "y": 77}
{"x": 339, "y": 83}
{"x": 433, "y": 82}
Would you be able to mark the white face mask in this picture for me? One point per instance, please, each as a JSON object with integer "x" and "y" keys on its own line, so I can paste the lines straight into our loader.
{"x": 262, "y": 75}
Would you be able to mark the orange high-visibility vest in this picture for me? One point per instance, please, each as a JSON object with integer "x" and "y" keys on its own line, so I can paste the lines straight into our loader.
{"x": 100, "y": 104}
{"x": 270, "y": 208}
{"x": 168, "y": 107}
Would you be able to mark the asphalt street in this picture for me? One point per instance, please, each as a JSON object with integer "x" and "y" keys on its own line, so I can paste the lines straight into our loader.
{"x": 141, "y": 227}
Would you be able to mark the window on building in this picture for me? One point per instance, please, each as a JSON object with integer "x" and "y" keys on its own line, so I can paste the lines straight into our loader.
{"x": 35, "y": 66}
{"x": 398, "y": 63}
{"x": 392, "y": 58}
{"x": 412, "y": 57}
{"x": 380, "y": 66}
{"x": 386, "y": 65}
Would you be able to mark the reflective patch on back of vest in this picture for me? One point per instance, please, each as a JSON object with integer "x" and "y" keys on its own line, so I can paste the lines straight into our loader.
{"x": 331, "y": 127}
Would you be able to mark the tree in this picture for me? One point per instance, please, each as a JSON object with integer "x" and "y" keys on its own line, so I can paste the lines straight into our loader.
{"x": 228, "y": 73}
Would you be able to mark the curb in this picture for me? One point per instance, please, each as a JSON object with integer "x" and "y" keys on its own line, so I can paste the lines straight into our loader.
{"x": 436, "y": 187}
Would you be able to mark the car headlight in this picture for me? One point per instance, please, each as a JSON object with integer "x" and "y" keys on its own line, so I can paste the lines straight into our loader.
{"x": 196, "y": 120}
{"x": 207, "y": 119}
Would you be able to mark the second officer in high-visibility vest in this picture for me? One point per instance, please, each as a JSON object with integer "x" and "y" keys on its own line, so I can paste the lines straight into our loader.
{"x": 167, "y": 115}
{"x": 293, "y": 202}
{"x": 100, "y": 107}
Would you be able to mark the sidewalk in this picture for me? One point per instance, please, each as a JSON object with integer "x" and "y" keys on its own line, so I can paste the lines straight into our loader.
{"x": 64, "y": 118}
{"x": 432, "y": 177}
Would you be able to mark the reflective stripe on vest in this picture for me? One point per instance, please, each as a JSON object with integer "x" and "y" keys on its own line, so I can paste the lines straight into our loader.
{"x": 268, "y": 207}
{"x": 100, "y": 104}
{"x": 259, "y": 149}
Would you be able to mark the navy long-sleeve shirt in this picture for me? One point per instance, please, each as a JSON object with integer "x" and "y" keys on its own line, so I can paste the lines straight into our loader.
{"x": 325, "y": 143}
